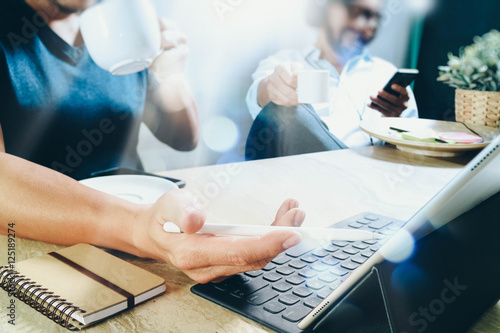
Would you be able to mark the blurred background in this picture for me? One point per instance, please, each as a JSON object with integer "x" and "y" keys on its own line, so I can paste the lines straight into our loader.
{"x": 228, "y": 38}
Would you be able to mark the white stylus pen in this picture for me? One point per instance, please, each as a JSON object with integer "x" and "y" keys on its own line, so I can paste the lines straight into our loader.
{"x": 258, "y": 230}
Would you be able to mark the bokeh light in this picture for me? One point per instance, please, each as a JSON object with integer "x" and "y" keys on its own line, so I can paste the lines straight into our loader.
{"x": 421, "y": 6}
{"x": 220, "y": 134}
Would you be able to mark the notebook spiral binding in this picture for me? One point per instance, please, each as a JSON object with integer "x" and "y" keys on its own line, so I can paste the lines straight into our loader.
{"x": 25, "y": 290}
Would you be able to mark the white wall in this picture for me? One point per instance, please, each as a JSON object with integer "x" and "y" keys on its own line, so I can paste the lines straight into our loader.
{"x": 227, "y": 39}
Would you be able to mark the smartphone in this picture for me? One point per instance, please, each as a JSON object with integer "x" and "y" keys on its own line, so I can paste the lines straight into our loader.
{"x": 126, "y": 171}
{"x": 403, "y": 77}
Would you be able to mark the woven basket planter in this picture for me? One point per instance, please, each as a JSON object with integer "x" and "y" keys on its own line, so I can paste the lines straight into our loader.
{"x": 475, "y": 107}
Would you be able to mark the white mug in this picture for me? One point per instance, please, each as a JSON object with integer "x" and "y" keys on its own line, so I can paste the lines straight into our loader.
{"x": 313, "y": 86}
{"x": 122, "y": 36}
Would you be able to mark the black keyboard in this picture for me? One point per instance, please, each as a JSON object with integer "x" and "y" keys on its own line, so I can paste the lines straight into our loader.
{"x": 290, "y": 286}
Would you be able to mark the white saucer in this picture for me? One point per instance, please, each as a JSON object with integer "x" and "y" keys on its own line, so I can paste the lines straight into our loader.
{"x": 134, "y": 188}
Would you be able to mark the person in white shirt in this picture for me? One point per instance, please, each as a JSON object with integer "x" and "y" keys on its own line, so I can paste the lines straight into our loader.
{"x": 283, "y": 126}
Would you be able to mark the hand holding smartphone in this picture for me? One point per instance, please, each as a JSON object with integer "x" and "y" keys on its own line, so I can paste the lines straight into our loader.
{"x": 403, "y": 77}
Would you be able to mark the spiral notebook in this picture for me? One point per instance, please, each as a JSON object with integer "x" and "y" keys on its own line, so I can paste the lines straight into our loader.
{"x": 80, "y": 285}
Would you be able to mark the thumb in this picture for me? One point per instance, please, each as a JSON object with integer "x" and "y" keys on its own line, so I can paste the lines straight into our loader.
{"x": 182, "y": 209}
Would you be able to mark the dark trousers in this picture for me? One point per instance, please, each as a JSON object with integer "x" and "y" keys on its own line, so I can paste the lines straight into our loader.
{"x": 288, "y": 130}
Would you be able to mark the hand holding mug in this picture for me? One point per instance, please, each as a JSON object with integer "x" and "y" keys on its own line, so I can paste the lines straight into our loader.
{"x": 282, "y": 85}
{"x": 174, "y": 51}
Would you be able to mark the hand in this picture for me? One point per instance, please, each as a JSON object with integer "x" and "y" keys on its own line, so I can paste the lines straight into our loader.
{"x": 282, "y": 85}
{"x": 175, "y": 52}
{"x": 392, "y": 106}
{"x": 205, "y": 258}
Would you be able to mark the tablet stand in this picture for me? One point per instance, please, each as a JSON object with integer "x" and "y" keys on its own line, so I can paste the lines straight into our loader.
{"x": 449, "y": 282}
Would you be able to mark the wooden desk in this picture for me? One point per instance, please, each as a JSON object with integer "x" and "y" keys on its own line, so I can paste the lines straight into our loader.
{"x": 329, "y": 186}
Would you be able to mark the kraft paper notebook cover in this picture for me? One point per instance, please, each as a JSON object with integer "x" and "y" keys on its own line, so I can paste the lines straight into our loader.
{"x": 80, "y": 285}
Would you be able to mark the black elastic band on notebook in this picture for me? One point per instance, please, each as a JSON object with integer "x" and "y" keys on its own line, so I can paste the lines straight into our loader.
{"x": 97, "y": 278}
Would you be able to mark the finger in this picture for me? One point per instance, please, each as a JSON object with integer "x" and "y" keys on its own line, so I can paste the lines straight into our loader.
{"x": 386, "y": 106}
{"x": 285, "y": 207}
{"x": 172, "y": 38}
{"x": 378, "y": 108}
{"x": 401, "y": 90}
{"x": 293, "y": 218}
{"x": 181, "y": 208}
{"x": 285, "y": 73}
{"x": 278, "y": 97}
{"x": 390, "y": 97}
{"x": 231, "y": 251}
{"x": 375, "y": 107}
{"x": 167, "y": 24}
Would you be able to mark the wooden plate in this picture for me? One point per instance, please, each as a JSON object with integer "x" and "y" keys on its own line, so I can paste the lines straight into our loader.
{"x": 380, "y": 129}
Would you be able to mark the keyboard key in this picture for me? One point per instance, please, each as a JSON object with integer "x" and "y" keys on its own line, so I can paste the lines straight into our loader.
{"x": 339, "y": 271}
{"x": 320, "y": 253}
{"x": 360, "y": 259}
{"x": 330, "y": 247}
{"x": 395, "y": 226}
{"x": 300, "y": 249}
{"x": 380, "y": 224}
{"x": 233, "y": 281}
{"x": 370, "y": 242}
{"x": 249, "y": 288}
{"x": 289, "y": 299}
{"x": 309, "y": 258}
{"x": 366, "y": 253}
{"x": 296, "y": 313}
{"x": 375, "y": 248}
{"x": 371, "y": 217}
{"x": 261, "y": 297}
{"x": 312, "y": 302}
{"x": 340, "y": 256}
{"x": 319, "y": 267}
{"x": 269, "y": 267}
{"x": 295, "y": 280}
{"x": 315, "y": 284}
{"x": 356, "y": 225}
{"x": 348, "y": 264}
{"x": 363, "y": 221}
{"x": 254, "y": 273}
{"x": 297, "y": 264}
{"x": 330, "y": 261}
{"x": 327, "y": 277}
{"x": 282, "y": 287}
{"x": 350, "y": 250}
{"x": 274, "y": 307}
{"x": 340, "y": 243}
{"x": 302, "y": 292}
{"x": 285, "y": 270}
{"x": 324, "y": 293}
{"x": 272, "y": 277}
{"x": 281, "y": 259}
{"x": 360, "y": 246}
{"x": 308, "y": 273}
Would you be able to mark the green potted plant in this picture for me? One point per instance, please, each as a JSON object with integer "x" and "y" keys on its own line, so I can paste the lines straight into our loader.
{"x": 475, "y": 74}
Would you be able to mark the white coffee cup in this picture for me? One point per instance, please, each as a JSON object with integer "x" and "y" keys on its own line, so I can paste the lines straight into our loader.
{"x": 122, "y": 36}
{"x": 313, "y": 86}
